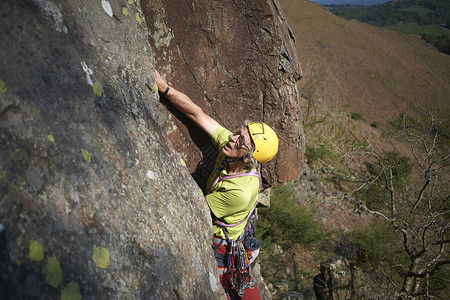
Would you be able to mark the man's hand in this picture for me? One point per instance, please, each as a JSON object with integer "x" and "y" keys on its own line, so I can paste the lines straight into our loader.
{"x": 184, "y": 104}
{"x": 162, "y": 84}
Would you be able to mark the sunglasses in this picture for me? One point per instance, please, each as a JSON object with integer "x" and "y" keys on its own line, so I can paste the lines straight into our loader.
{"x": 240, "y": 141}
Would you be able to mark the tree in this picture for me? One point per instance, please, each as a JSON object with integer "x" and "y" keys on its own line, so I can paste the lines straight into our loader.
{"x": 314, "y": 110}
{"x": 410, "y": 193}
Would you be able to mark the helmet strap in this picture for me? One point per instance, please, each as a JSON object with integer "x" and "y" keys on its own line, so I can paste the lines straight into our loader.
{"x": 235, "y": 159}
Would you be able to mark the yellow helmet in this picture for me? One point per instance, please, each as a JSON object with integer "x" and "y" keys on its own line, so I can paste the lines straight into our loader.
{"x": 265, "y": 140}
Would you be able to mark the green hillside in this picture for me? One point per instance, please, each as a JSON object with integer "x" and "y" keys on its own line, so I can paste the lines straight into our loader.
{"x": 428, "y": 18}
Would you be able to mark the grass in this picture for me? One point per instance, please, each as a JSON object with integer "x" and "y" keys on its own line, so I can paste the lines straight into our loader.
{"x": 418, "y": 9}
{"x": 417, "y": 29}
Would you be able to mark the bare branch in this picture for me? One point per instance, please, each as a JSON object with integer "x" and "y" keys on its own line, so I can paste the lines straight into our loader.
{"x": 442, "y": 242}
{"x": 405, "y": 242}
{"x": 419, "y": 198}
{"x": 429, "y": 272}
{"x": 370, "y": 211}
{"x": 418, "y": 208}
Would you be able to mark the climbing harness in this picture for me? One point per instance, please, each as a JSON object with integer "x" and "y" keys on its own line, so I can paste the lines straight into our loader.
{"x": 239, "y": 256}
{"x": 248, "y": 173}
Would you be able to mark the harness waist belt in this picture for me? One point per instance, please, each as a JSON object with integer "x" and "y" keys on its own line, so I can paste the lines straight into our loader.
{"x": 218, "y": 241}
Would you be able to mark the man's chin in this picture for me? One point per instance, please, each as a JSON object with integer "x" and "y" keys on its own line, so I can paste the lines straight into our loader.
{"x": 226, "y": 149}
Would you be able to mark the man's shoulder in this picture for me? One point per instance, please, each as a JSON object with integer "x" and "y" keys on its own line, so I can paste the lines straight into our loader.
{"x": 221, "y": 136}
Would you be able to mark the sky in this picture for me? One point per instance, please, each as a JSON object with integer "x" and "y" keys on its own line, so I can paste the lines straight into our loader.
{"x": 353, "y": 2}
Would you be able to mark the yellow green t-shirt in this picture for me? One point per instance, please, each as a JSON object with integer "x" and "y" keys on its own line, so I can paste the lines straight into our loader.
{"x": 230, "y": 200}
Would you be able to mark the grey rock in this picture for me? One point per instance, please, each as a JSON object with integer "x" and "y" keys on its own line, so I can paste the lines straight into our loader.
{"x": 94, "y": 201}
{"x": 336, "y": 280}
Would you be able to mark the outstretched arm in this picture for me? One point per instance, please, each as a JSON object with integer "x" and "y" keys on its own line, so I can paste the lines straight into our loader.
{"x": 184, "y": 104}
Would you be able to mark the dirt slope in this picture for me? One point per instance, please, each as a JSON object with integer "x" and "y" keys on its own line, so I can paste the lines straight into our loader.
{"x": 369, "y": 70}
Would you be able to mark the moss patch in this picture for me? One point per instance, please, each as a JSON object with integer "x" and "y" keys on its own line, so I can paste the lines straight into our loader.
{"x": 36, "y": 251}
{"x": 53, "y": 272}
{"x": 97, "y": 89}
{"x": 3, "y": 88}
{"x": 101, "y": 257}
{"x": 86, "y": 155}
{"x": 71, "y": 292}
{"x": 138, "y": 18}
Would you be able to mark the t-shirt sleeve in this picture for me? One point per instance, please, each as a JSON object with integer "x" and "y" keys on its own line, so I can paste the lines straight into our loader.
{"x": 221, "y": 136}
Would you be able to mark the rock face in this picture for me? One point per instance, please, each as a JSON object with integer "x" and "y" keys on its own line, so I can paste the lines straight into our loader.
{"x": 336, "y": 280}
{"x": 236, "y": 60}
{"x": 94, "y": 201}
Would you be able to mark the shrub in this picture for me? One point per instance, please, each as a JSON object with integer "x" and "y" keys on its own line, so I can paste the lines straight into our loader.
{"x": 439, "y": 283}
{"x": 314, "y": 154}
{"x": 400, "y": 165}
{"x": 375, "y": 242}
{"x": 287, "y": 221}
{"x": 377, "y": 247}
{"x": 356, "y": 116}
{"x": 375, "y": 194}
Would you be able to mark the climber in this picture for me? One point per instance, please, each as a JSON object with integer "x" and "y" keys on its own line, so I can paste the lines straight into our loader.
{"x": 233, "y": 190}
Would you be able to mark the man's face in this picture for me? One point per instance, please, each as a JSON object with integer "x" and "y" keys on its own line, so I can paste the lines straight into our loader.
{"x": 238, "y": 144}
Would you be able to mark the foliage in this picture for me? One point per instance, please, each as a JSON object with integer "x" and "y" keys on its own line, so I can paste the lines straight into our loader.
{"x": 314, "y": 154}
{"x": 402, "y": 121}
{"x": 356, "y": 116}
{"x": 414, "y": 205}
{"x": 403, "y": 15}
{"x": 400, "y": 168}
{"x": 375, "y": 243}
{"x": 287, "y": 220}
{"x": 378, "y": 15}
{"x": 375, "y": 249}
{"x": 284, "y": 226}
{"x": 441, "y": 42}
{"x": 424, "y": 12}
{"x": 391, "y": 168}
{"x": 414, "y": 28}
{"x": 439, "y": 283}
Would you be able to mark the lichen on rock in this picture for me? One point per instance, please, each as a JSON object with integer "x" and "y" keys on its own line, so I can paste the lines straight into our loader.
{"x": 101, "y": 257}
{"x": 86, "y": 157}
{"x": 53, "y": 272}
{"x": 85, "y": 161}
{"x": 71, "y": 292}
{"x": 36, "y": 252}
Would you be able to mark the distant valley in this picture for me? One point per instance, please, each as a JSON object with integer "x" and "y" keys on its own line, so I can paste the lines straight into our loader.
{"x": 349, "y": 2}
